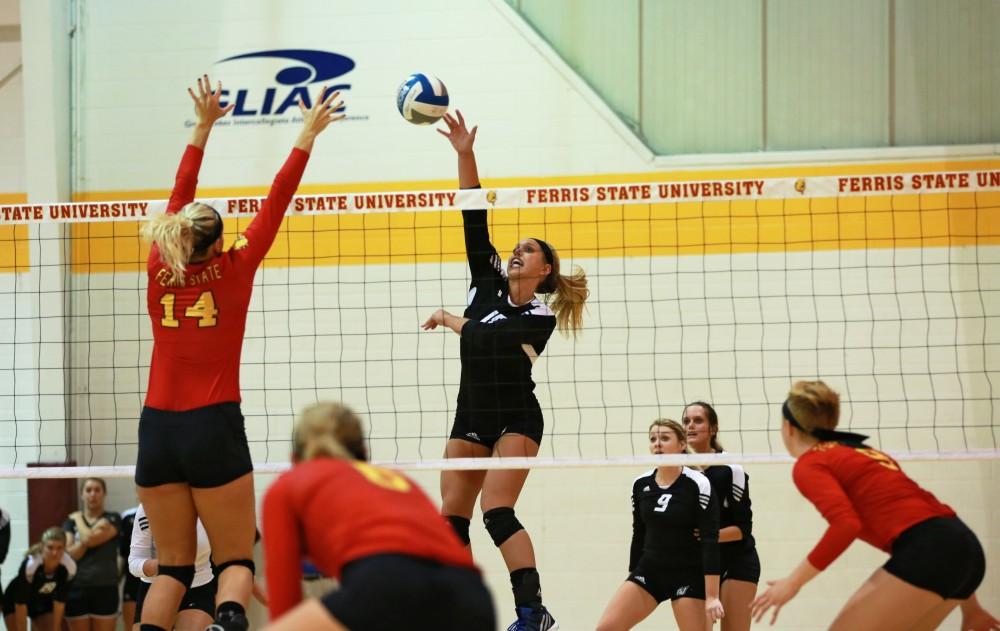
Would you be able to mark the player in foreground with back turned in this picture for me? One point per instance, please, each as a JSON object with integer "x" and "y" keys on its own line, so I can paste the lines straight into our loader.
{"x": 399, "y": 563}
{"x": 937, "y": 562}
{"x": 194, "y": 460}
{"x": 504, "y": 329}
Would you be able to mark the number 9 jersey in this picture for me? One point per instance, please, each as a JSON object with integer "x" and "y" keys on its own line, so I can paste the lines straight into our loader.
{"x": 198, "y": 324}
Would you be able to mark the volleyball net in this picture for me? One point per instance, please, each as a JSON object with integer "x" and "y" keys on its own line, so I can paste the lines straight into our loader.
{"x": 886, "y": 286}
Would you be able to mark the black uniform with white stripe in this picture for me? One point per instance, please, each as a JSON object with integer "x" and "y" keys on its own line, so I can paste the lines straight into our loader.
{"x": 130, "y": 584}
{"x": 37, "y": 589}
{"x": 667, "y": 558}
{"x": 499, "y": 345}
{"x": 731, "y": 485}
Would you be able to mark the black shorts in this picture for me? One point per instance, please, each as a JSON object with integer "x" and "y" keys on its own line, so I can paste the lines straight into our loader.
{"x": 668, "y": 583}
{"x": 940, "y": 555}
{"x": 96, "y": 601}
{"x": 205, "y": 447}
{"x": 38, "y": 605}
{"x": 130, "y": 588}
{"x": 388, "y": 592}
{"x": 8, "y": 598}
{"x": 488, "y": 433}
{"x": 739, "y": 564}
{"x": 201, "y": 598}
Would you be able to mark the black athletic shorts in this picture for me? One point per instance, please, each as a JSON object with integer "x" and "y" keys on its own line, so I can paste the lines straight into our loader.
{"x": 488, "y": 433}
{"x": 95, "y": 601}
{"x": 201, "y": 598}
{"x": 940, "y": 555}
{"x": 739, "y": 563}
{"x": 205, "y": 447}
{"x": 7, "y": 598}
{"x": 130, "y": 588}
{"x": 668, "y": 583}
{"x": 38, "y": 604}
{"x": 389, "y": 592}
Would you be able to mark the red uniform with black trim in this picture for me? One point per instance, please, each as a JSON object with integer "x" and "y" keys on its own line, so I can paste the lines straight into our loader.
{"x": 336, "y": 511}
{"x": 862, "y": 493}
{"x": 198, "y": 326}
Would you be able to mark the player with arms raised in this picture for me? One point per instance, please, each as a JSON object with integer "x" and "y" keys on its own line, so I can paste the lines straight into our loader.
{"x": 194, "y": 460}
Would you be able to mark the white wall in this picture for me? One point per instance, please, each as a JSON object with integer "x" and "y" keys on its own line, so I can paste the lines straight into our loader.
{"x": 138, "y": 59}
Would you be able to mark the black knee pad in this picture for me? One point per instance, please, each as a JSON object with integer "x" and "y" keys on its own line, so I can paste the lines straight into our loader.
{"x": 183, "y": 574}
{"x": 247, "y": 563}
{"x": 461, "y": 527}
{"x": 501, "y": 524}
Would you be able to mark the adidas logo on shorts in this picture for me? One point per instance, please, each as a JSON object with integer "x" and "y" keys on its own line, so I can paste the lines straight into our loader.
{"x": 641, "y": 579}
{"x": 682, "y": 590}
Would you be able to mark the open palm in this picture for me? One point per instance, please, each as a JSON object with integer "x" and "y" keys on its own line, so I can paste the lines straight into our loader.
{"x": 460, "y": 138}
{"x": 206, "y": 102}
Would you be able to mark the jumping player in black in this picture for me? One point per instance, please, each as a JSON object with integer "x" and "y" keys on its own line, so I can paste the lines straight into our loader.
{"x": 504, "y": 329}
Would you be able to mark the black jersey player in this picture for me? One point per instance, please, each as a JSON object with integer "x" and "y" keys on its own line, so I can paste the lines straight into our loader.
{"x": 674, "y": 553}
{"x": 504, "y": 329}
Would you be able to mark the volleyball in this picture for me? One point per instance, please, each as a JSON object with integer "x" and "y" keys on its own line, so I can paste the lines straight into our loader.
{"x": 422, "y": 99}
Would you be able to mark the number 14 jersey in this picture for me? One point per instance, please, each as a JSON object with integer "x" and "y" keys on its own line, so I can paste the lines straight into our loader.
{"x": 198, "y": 324}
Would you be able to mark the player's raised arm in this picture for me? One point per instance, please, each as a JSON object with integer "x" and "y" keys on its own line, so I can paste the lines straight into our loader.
{"x": 264, "y": 227}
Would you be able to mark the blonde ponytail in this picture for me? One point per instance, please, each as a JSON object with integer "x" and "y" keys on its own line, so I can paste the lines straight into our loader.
{"x": 180, "y": 235}
{"x": 328, "y": 429}
{"x": 570, "y": 295}
{"x": 570, "y": 292}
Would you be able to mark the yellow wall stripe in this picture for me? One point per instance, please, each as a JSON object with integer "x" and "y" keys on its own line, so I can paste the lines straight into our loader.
{"x": 662, "y": 229}
{"x": 15, "y": 254}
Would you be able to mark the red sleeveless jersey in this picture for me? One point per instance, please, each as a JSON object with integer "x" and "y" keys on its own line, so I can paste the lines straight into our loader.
{"x": 198, "y": 325}
{"x": 335, "y": 511}
{"x": 863, "y": 493}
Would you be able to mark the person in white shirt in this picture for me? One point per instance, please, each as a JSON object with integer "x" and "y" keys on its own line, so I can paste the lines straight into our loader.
{"x": 198, "y": 605}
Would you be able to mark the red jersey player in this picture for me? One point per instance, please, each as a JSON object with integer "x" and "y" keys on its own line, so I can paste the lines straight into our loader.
{"x": 193, "y": 458}
{"x": 936, "y": 562}
{"x": 399, "y": 563}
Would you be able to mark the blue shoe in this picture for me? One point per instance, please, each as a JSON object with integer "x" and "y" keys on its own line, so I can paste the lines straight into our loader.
{"x": 531, "y": 619}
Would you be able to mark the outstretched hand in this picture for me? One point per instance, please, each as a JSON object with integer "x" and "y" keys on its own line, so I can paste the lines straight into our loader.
{"x": 318, "y": 117}
{"x": 458, "y": 135}
{"x": 322, "y": 113}
{"x": 436, "y": 320}
{"x": 206, "y": 102}
{"x": 777, "y": 594}
{"x": 979, "y": 620}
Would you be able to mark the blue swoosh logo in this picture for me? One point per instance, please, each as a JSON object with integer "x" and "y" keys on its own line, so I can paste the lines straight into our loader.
{"x": 318, "y": 65}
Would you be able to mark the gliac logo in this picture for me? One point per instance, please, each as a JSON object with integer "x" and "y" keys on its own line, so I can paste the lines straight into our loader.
{"x": 314, "y": 66}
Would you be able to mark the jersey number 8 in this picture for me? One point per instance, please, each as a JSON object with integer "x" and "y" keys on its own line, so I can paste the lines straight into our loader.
{"x": 383, "y": 477}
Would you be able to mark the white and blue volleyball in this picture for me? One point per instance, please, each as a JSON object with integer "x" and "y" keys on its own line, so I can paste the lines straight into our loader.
{"x": 422, "y": 99}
